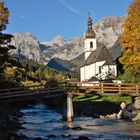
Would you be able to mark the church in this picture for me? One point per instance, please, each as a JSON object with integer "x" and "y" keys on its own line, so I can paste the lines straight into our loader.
{"x": 98, "y": 64}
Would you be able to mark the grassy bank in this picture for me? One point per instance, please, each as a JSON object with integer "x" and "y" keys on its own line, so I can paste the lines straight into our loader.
{"x": 98, "y": 105}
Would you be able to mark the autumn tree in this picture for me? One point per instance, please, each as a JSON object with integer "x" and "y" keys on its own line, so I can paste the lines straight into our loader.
{"x": 5, "y": 39}
{"x": 5, "y": 58}
{"x": 130, "y": 41}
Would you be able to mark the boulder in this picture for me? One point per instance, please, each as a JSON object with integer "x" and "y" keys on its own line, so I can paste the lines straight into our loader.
{"x": 137, "y": 103}
{"x": 130, "y": 107}
{"x": 123, "y": 105}
{"x": 112, "y": 116}
{"x": 119, "y": 115}
{"x": 127, "y": 114}
{"x": 137, "y": 117}
{"x": 135, "y": 112}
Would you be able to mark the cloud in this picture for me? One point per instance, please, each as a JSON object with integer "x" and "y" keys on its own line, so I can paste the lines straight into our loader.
{"x": 70, "y": 8}
{"x": 23, "y": 17}
{"x": 19, "y": 16}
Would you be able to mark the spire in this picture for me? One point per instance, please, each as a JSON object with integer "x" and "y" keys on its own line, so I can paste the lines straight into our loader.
{"x": 89, "y": 33}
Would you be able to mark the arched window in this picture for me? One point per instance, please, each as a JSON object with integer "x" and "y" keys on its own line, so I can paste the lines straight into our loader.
{"x": 91, "y": 44}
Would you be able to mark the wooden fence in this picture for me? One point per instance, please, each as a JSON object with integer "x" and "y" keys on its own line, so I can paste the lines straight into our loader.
{"x": 46, "y": 91}
{"x": 106, "y": 87}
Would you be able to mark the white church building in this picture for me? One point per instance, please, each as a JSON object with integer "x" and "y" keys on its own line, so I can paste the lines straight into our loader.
{"x": 98, "y": 64}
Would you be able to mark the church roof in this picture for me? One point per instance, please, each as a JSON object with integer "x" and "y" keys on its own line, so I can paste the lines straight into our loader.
{"x": 100, "y": 54}
{"x": 108, "y": 62}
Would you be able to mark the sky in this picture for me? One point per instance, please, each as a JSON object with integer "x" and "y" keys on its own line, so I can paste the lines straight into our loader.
{"x": 48, "y": 18}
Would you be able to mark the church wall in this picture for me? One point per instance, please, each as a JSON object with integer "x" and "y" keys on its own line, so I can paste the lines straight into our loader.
{"x": 112, "y": 68}
{"x": 87, "y": 72}
{"x": 90, "y": 71}
{"x": 99, "y": 64}
{"x": 93, "y": 70}
{"x": 82, "y": 74}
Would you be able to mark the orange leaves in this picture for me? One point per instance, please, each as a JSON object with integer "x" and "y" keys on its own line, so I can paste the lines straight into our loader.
{"x": 130, "y": 39}
{"x": 4, "y": 14}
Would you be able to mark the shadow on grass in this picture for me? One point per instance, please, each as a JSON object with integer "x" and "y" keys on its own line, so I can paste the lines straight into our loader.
{"x": 90, "y": 107}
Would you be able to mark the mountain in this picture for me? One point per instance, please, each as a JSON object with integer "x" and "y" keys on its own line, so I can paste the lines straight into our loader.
{"x": 107, "y": 30}
{"x": 78, "y": 60}
{"x": 61, "y": 65}
{"x": 63, "y": 49}
{"x": 116, "y": 50}
{"x": 27, "y": 46}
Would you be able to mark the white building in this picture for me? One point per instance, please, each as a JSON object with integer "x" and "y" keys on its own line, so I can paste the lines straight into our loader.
{"x": 99, "y": 63}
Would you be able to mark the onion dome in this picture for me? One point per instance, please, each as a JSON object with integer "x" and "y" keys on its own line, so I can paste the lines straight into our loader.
{"x": 89, "y": 33}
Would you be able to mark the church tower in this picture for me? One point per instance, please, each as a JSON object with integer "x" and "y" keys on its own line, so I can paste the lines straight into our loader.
{"x": 89, "y": 39}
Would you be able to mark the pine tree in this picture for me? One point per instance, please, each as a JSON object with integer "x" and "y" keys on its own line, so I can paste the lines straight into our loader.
{"x": 5, "y": 58}
{"x": 130, "y": 40}
{"x": 5, "y": 39}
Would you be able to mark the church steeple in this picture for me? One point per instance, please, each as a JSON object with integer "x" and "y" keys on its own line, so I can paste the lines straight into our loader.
{"x": 89, "y": 39}
{"x": 89, "y": 33}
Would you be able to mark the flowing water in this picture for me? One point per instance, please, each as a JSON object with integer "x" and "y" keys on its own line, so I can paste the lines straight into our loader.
{"x": 39, "y": 121}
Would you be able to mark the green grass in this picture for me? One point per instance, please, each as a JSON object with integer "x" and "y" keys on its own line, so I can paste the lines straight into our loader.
{"x": 114, "y": 99}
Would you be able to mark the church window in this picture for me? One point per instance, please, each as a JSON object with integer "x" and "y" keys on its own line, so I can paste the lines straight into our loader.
{"x": 91, "y": 44}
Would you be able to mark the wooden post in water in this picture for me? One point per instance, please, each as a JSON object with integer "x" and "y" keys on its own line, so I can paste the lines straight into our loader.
{"x": 70, "y": 114}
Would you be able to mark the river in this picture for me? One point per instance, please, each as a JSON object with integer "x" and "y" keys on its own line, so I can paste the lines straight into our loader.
{"x": 39, "y": 121}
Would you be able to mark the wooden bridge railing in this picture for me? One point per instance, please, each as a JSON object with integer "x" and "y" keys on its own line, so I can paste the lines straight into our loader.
{"x": 107, "y": 87}
{"x": 30, "y": 91}
{"x": 101, "y": 88}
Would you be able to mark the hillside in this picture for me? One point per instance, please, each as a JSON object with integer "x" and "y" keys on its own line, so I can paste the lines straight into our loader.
{"x": 61, "y": 65}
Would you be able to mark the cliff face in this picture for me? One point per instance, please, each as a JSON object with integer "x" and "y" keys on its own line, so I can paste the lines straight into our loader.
{"x": 108, "y": 30}
{"x": 27, "y": 46}
{"x": 59, "y": 48}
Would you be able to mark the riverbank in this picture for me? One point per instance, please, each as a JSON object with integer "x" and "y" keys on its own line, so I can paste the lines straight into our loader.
{"x": 9, "y": 115}
{"x": 41, "y": 122}
{"x": 83, "y": 106}
{"x": 98, "y": 105}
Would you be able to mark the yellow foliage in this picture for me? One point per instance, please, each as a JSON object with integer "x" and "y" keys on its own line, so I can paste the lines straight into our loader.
{"x": 59, "y": 77}
{"x": 4, "y": 14}
{"x": 130, "y": 38}
{"x": 30, "y": 83}
{"x": 11, "y": 70}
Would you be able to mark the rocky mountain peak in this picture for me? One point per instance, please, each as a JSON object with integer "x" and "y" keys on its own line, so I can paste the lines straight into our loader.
{"x": 57, "y": 39}
{"x": 27, "y": 46}
{"x": 108, "y": 30}
{"x": 55, "y": 42}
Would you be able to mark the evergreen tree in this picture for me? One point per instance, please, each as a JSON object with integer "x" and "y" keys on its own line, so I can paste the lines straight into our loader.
{"x": 5, "y": 39}
{"x": 5, "y": 58}
{"x": 130, "y": 40}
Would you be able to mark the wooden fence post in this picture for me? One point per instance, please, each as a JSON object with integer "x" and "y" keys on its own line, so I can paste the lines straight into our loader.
{"x": 137, "y": 89}
{"x": 102, "y": 87}
{"x": 119, "y": 88}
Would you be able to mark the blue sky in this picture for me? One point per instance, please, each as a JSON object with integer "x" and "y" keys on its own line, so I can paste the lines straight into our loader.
{"x": 47, "y": 18}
